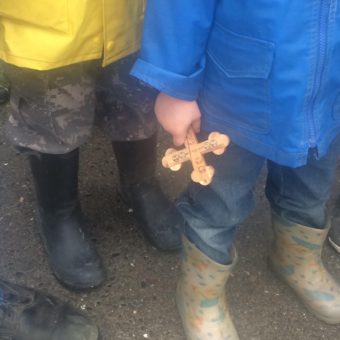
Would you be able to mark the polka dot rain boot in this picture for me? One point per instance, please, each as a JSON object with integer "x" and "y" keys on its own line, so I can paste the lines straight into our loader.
{"x": 201, "y": 299}
{"x": 296, "y": 258}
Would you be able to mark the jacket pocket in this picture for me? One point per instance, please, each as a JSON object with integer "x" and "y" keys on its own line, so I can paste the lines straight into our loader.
{"x": 52, "y": 14}
{"x": 237, "y": 79}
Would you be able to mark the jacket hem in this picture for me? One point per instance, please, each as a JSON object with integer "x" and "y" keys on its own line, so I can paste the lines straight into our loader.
{"x": 252, "y": 144}
{"x": 43, "y": 65}
{"x": 124, "y": 53}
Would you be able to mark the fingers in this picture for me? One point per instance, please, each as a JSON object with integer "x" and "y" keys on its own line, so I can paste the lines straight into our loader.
{"x": 179, "y": 139}
{"x": 176, "y": 116}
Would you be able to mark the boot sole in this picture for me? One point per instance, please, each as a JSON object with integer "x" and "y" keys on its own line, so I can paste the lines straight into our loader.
{"x": 319, "y": 316}
{"x": 75, "y": 288}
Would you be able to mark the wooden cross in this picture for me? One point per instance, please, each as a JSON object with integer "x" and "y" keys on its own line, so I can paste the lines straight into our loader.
{"x": 194, "y": 151}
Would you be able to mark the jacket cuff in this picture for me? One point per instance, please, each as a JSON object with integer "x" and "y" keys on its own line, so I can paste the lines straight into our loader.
{"x": 173, "y": 84}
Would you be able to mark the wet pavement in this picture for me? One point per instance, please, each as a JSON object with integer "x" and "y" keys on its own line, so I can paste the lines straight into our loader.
{"x": 137, "y": 299}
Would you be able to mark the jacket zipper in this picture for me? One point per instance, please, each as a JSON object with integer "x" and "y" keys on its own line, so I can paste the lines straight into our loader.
{"x": 319, "y": 69}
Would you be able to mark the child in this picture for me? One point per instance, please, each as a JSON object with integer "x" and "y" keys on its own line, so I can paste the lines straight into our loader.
{"x": 53, "y": 51}
{"x": 265, "y": 73}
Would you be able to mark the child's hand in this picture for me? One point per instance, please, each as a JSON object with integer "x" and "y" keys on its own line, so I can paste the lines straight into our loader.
{"x": 176, "y": 116}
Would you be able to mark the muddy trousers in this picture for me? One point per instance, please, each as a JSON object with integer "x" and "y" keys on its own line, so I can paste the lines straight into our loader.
{"x": 54, "y": 111}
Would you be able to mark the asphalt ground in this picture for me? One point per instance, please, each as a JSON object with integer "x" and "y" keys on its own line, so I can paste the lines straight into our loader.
{"x": 137, "y": 299}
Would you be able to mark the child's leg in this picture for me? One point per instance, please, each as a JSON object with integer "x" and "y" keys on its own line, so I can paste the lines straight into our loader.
{"x": 212, "y": 212}
{"x": 300, "y": 194}
{"x": 298, "y": 198}
{"x": 125, "y": 111}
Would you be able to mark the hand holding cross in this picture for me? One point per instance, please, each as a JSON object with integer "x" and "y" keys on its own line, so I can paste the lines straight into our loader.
{"x": 194, "y": 151}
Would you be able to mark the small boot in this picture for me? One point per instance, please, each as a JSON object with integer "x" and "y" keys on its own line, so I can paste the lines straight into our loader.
{"x": 296, "y": 258}
{"x": 72, "y": 255}
{"x": 26, "y": 314}
{"x": 159, "y": 219}
{"x": 200, "y": 297}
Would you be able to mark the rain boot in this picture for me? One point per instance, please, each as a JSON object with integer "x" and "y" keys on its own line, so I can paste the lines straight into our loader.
{"x": 26, "y": 314}
{"x": 72, "y": 256}
{"x": 296, "y": 258}
{"x": 200, "y": 296}
{"x": 158, "y": 218}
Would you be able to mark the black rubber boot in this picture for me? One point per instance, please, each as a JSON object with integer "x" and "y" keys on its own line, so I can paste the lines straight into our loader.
{"x": 158, "y": 218}
{"x": 26, "y": 314}
{"x": 72, "y": 255}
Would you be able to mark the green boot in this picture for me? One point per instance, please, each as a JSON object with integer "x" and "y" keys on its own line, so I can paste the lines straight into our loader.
{"x": 296, "y": 258}
{"x": 201, "y": 297}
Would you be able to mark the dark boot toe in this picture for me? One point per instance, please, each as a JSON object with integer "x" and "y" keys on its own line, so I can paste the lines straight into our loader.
{"x": 88, "y": 276}
{"x": 166, "y": 232}
{"x": 78, "y": 267}
{"x": 158, "y": 217}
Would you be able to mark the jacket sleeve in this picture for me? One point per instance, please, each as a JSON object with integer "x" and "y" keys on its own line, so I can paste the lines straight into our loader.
{"x": 172, "y": 58}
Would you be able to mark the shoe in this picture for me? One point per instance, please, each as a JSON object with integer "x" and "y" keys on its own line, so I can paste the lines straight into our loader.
{"x": 296, "y": 259}
{"x": 26, "y": 314}
{"x": 72, "y": 255}
{"x": 158, "y": 218}
{"x": 200, "y": 296}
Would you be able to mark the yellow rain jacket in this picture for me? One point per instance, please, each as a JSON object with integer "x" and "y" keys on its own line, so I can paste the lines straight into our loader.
{"x": 46, "y": 34}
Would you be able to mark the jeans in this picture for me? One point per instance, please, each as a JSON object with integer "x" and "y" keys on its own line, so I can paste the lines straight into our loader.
{"x": 296, "y": 195}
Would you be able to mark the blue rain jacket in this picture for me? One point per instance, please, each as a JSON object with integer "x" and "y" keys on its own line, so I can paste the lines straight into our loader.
{"x": 266, "y": 72}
